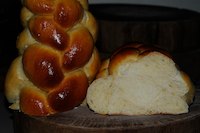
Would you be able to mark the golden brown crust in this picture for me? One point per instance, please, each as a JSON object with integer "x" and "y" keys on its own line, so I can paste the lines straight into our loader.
{"x": 92, "y": 66}
{"x": 41, "y": 65}
{"x": 69, "y": 93}
{"x": 24, "y": 40}
{"x": 79, "y": 50}
{"x": 33, "y": 101}
{"x": 103, "y": 71}
{"x": 15, "y": 75}
{"x": 48, "y": 32}
{"x": 68, "y": 13}
{"x": 127, "y": 53}
{"x": 56, "y": 56}
{"x": 90, "y": 23}
{"x": 124, "y": 55}
{"x": 190, "y": 95}
{"x": 25, "y": 16}
{"x": 39, "y": 6}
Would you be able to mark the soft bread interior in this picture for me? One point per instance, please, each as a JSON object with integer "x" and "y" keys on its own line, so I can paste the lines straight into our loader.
{"x": 150, "y": 85}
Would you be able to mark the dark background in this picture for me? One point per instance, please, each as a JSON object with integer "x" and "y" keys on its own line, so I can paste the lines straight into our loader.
{"x": 9, "y": 29}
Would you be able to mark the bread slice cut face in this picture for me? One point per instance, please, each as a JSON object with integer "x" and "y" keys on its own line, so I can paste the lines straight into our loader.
{"x": 152, "y": 84}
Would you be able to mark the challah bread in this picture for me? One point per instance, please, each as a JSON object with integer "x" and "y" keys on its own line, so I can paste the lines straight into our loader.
{"x": 140, "y": 80}
{"x": 57, "y": 57}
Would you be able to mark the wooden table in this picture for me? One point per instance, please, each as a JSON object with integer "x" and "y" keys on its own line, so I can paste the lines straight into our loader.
{"x": 84, "y": 120}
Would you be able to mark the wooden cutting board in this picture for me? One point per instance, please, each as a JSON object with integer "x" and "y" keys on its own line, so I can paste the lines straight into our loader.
{"x": 84, "y": 120}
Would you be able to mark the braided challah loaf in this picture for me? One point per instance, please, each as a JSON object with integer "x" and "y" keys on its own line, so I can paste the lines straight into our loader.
{"x": 140, "y": 80}
{"x": 57, "y": 57}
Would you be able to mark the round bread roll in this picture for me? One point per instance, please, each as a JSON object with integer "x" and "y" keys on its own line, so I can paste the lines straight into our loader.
{"x": 57, "y": 57}
{"x": 140, "y": 80}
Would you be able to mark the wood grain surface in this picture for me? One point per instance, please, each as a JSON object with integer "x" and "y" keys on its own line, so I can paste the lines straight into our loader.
{"x": 83, "y": 120}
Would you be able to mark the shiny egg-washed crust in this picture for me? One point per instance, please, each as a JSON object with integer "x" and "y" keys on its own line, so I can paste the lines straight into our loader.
{"x": 133, "y": 52}
{"x": 57, "y": 58}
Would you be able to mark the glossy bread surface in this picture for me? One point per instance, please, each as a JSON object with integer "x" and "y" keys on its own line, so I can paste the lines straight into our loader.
{"x": 57, "y": 57}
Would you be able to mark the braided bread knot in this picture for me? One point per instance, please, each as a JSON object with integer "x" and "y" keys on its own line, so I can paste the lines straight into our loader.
{"x": 57, "y": 57}
{"x": 127, "y": 53}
